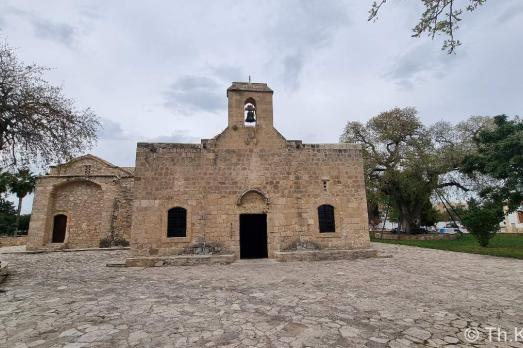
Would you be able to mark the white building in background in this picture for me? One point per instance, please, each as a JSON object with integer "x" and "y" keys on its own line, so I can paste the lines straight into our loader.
{"x": 513, "y": 222}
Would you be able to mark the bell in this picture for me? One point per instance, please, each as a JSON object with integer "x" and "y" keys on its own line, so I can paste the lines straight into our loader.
{"x": 250, "y": 117}
{"x": 250, "y": 114}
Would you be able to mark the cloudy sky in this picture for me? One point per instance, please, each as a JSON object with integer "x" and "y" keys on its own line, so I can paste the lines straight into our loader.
{"x": 158, "y": 71}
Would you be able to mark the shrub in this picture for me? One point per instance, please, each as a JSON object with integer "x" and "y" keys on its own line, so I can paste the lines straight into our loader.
{"x": 108, "y": 242}
{"x": 200, "y": 247}
{"x": 299, "y": 244}
{"x": 482, "y": 220}
{"x": 105, "y": 242}
{"x": 120, "y": 242}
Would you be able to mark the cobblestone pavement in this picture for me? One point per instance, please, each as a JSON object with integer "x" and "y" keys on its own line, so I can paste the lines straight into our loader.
{"x": 418, "y": 297}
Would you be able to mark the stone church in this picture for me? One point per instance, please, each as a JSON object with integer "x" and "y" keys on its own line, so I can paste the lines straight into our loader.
{"x": 248, "y": 190}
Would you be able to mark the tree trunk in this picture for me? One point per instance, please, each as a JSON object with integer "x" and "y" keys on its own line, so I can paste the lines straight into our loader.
{"x": 18, "y": 213}
{"x": 406, "y": 225}
{"x": 410, "y": 220}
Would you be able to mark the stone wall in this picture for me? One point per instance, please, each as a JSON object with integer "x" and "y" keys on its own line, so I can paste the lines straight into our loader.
{"x": 81, "y": 202}
{"x": 209, "y": 182}
{"x": 248, "y": 170}
{"x": 123, "y": 210}
{"x": 12, "y": 241}
{"x": 95, "y": 196}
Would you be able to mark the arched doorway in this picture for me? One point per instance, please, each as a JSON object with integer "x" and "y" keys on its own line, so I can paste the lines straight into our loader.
{"x": 59, "y": 228}
{"x": 253, "y": 208}
{"x": 253, "y": 236}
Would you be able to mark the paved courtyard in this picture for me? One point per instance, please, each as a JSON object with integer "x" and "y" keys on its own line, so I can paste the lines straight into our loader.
{"x": 419, "y": 297}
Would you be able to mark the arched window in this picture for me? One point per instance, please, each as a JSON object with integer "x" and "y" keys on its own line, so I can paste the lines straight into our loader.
{"x": 177, "y": 222}
{"x": 249, "y": 109}
{"x": 326, "y": 218}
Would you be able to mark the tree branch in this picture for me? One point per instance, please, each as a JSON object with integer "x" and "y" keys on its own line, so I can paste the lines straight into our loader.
{"x": 455, "y": 184}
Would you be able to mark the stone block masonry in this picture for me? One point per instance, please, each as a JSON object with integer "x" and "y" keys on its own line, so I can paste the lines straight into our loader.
{"x": 6, "y": 241}
{"x": 252, "y": 170}
{"x": 248, "y": 191}
{"x": 91, "y": 196}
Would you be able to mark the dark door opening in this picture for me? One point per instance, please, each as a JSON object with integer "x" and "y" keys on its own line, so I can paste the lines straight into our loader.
{"x": 59, "y": 227}
{"x": 253, "y": 236}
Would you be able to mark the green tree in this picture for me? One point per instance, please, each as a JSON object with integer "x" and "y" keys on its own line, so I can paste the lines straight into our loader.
{"x": 406, "y": 161}
{"x": 24, "y": 223}
{"x": 38, "y": 124}
{"x": 5, "y": 181}
{"x": 482, "y": 220}
{"x": 7, "y": 217}
{"x": 438, "y": 17}
{"x": 498, "y": 154}
{"x": 22, "y": 183}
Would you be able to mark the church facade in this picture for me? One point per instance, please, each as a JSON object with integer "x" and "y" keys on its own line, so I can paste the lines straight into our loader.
{"x": 248, "y": 191}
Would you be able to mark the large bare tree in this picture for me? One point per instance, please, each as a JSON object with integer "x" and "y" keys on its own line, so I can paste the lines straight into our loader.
{"x": 38, "y": 124}
{"x": 405, "y": 162}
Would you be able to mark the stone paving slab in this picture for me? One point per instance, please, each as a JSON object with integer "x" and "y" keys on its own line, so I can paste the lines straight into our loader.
{"x": 419, "y": 297}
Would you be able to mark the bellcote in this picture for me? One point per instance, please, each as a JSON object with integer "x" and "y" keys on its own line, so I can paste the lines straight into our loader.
{"x": 250, "y": 105}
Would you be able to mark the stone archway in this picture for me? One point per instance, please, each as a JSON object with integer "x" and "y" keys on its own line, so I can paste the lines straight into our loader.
{"x": 253, "y": 200}
{"x": 81, "y": 201}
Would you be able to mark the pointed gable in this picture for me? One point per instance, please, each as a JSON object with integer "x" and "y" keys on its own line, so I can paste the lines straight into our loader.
{"x": 89, "y": 165}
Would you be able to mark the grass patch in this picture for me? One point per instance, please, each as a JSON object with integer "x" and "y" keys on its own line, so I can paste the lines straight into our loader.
{"x": 504, "y": 245}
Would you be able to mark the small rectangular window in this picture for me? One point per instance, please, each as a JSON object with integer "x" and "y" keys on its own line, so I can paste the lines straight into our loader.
{"x": 177, "y": 222}
{"x": 326, "y": 218}
{"x": 87, "y": 170}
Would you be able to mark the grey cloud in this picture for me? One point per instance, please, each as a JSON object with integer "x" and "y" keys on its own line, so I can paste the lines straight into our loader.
{"x": 300, "y": 29}
{"x": 195, "y": 93}
{"x": 57, "y": 31}
{"x": 89, "y": 11}
{"x": 60, "y": 32}
{"x": 305, "y": 24}
{"x": 292, "y": 66}
{"x": 111, "y": 130}
{"x": 227, "y": 73}
{"x": 422, "y": 62}
{"x": 204, "y": 92}
{"x": 510, "y": 13}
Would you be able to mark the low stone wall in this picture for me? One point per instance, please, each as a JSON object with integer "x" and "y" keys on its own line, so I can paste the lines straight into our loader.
{"x": 13, "y": 241}
{"x": 403, "y": 236}
{"x": 319, "y": 255}
{"x": 183, "y": 260}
